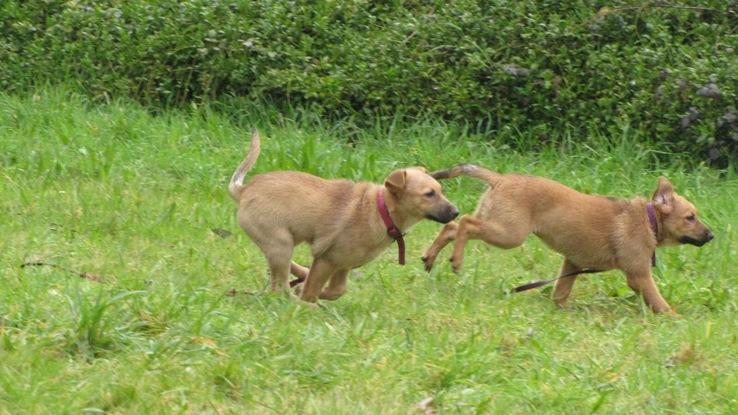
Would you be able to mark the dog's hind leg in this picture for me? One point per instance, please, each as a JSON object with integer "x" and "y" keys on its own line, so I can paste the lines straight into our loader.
{"x": 562, "y": 289}
{"x": 337, "y": 286}
{"x": 447, "y": 234}
{"x": 299, "y": 271}
{"x": 469, "y": 227}
{"x": 501, "y": 235}
{"x": 277, "y": 249}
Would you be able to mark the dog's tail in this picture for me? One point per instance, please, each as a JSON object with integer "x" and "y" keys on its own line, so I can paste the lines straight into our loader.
{"x": 236, "y": 184}
{"x": 467, "y": 170}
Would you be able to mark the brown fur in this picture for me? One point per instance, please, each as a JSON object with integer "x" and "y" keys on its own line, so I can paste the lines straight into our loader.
{"x": 592, "y": 232}
{"x": 338, "y": 218}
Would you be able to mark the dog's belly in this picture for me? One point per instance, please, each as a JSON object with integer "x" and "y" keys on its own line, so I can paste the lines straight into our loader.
{"x": 590, "y": 262}
{"x": 351, "y": 260}
{"x": 592, "y": 254}
{"x": 348, "y": 253}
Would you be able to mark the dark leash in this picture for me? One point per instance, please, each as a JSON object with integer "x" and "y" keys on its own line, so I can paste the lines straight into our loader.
{"x": 540, "y": 283}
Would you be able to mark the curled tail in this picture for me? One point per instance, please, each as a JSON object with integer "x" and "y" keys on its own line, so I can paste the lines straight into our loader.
{"x": 236, "y": 184}
{"x": 467, "y": 170}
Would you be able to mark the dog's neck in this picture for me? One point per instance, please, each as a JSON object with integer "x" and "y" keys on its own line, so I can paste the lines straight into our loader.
{"x": 400, "y": 219}
{"x": 653, "y": 222}
{"x": 393, "y": 230}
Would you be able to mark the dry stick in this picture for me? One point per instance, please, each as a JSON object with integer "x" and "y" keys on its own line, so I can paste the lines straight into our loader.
{"x": 234, "y": 292}
{"x": 85, "y": 275}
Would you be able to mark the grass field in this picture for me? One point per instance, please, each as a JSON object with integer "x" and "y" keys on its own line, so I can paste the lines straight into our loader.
{"x": 134, "y": 198}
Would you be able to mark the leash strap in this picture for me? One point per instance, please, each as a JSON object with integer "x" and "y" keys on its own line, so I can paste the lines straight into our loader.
{"x": 541, "y": 283}
{"x": 392, "y": 230}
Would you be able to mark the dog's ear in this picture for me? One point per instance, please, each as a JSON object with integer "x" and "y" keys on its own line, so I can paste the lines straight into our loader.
{"x": 663, "y": 197}
{"x": 396, "y": 181}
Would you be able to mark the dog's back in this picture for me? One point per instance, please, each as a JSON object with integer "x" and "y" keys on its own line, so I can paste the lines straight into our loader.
{"x": 305, "y": 203}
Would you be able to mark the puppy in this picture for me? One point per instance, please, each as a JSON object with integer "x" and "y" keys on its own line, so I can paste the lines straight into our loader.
{"x": 592, "y": 232}
{"x": 346, "y": 224}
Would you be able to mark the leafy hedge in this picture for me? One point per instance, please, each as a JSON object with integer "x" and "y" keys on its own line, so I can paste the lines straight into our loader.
{"x": 667, "y": 69}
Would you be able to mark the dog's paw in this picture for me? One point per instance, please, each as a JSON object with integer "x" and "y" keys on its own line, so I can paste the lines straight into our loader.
{"x": 561, "y": 304}
{"x": 455, "y": 264}
{"x": 670, "y": 312}
{"x": 428, "y": 262}
{"x": 309, "y": 305}
{"x": 297, "y": 290}
{"x": 301, "y": 302}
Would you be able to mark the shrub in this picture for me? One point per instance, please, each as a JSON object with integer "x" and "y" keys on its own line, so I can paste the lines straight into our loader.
{"x": 668, "y": 71}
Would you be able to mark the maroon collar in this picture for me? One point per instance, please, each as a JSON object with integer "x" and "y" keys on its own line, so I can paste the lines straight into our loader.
{"x": 392, "y": 230}
{"x": 651, "y": 212}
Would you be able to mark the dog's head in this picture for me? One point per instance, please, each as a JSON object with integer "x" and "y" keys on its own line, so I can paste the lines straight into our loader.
{"x": 679, "y": 222}
{"x": 419, "y": 195}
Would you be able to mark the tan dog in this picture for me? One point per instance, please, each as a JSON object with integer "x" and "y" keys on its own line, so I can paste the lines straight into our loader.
{"x": 592, "y": 232}
{"x": 338, "y": 218}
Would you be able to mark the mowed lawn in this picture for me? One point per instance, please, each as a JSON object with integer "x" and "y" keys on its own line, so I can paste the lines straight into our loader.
{"x": 179, "y": 320}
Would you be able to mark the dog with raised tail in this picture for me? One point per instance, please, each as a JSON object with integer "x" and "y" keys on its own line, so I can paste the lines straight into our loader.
{"x": 591, "y": 232}
{"x": 347, "y": 224}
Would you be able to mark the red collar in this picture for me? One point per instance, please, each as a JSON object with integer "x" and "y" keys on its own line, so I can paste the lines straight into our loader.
{"x": 651, "y": 212}
{"x": 392, "y": 230}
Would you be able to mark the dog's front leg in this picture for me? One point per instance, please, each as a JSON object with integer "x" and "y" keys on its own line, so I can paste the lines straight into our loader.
{"x": 644, "y": 284}
{"x": 319, "y": 273}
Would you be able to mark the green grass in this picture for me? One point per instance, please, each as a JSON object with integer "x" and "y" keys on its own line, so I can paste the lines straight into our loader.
{"x": 116, "y": 191}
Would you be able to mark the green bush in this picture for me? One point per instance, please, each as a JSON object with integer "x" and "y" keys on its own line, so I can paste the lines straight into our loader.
{"x": 666, "y": 70}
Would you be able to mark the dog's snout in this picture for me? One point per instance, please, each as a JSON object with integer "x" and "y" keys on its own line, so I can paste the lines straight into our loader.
{"x": 455, "y": 212}
{"x": 709, "y": 236}
{"x": 448, "y": 213}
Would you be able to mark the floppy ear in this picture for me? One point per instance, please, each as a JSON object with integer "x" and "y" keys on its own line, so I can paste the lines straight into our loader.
{"x": 396, "y": 181}
{"x": 663, "y": 197}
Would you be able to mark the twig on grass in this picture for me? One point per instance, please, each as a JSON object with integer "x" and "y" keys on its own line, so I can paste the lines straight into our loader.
{"x": 84, "y": 275}
{"x": 234, "y": 292}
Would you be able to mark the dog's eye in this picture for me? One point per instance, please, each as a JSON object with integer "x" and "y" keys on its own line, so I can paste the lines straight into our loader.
{"x": 691, "y": 218}
{"x": 430, "y": 193}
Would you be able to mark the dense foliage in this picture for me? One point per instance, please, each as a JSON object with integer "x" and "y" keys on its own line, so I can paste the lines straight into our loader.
{"x": 667, "y": 70}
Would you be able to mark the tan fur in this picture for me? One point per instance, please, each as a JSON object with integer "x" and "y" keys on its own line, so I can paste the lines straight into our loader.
{"x": 593, "y": 232}
{"x": 338, "y": 218}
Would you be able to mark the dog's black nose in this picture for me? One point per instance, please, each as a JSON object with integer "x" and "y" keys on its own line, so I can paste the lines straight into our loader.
{"x": 454, "y": 213}
{"x": 709, "y": 236}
